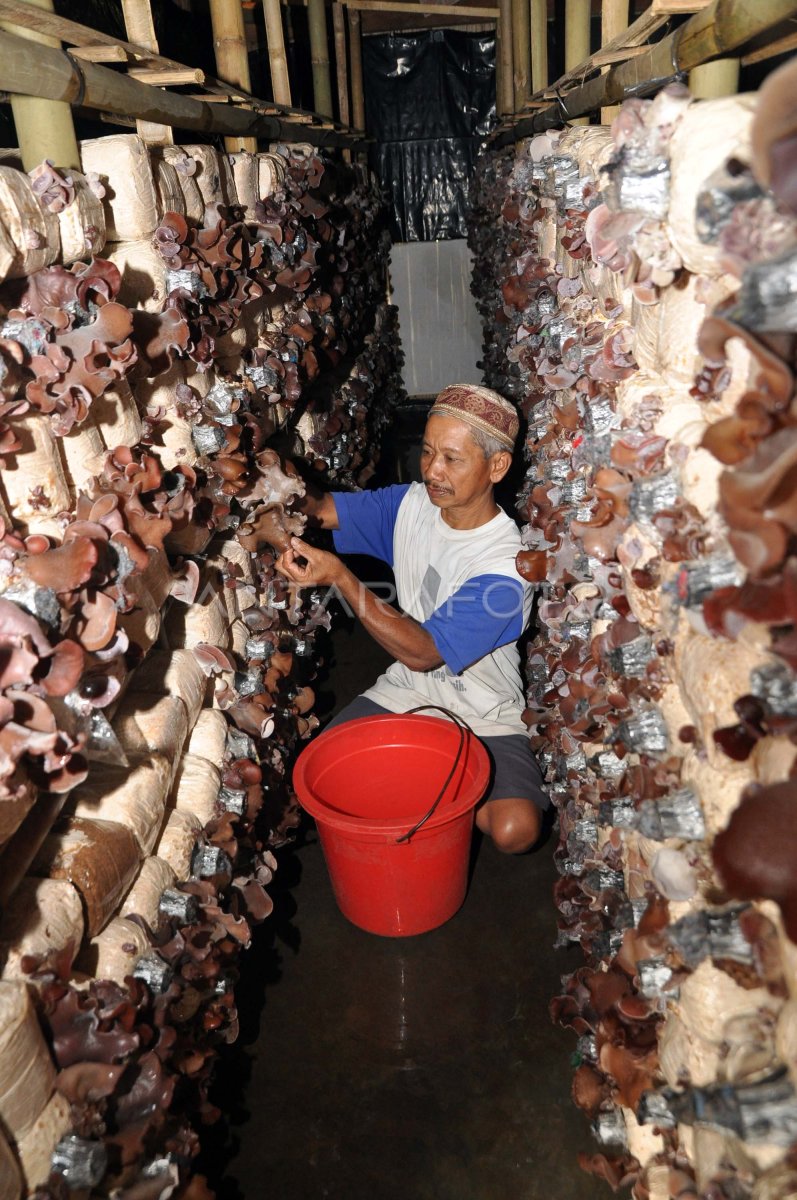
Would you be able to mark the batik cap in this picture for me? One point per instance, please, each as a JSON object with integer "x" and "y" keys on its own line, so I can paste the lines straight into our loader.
{"x": 481, "y": 408}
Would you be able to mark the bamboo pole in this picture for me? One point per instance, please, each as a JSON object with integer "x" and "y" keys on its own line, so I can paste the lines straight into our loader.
{"x": 521, "y": 49}
{"x": 714, "y": 31}
{"x": 341, "y": 68}
{"x": 539, "y": 45}
{"x": 140, "y": 28}
{"x": 139, "y": 24}
{"x": 339, "y": 23}
{"x": 713, "y": 79}
{"x": 577, "y": 38}
{"x": 614, "y": 21}
{"x": 499, "y": 107}
{"x": 356, "y": 64}
{"x": 35, "y": 70}
{"x": 505, "y": 87}
{"x": 45, "y": 128}
{"x": 319, "y": 57}
{"x": 290, "y": 38}
{"x": 277, "y": 59}
{"x": 232, "y": 61}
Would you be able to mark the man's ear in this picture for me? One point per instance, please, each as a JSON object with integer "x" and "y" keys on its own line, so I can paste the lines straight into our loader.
{"x": 499, "y": 465}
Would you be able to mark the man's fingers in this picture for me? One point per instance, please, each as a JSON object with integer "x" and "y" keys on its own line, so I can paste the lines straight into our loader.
{"x": 303, "y": 553}
{"x": 286, "y": 565}
{"x": 294, "y": 574}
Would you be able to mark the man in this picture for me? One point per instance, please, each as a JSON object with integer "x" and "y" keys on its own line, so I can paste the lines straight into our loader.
{"x": 464, "y": 605}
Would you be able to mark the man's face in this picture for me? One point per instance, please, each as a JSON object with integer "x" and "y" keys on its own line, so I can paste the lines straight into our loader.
{"x": 453, "y": 466}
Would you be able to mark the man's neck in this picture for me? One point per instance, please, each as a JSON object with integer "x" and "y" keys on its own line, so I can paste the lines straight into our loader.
{"x": 472, "y": 516}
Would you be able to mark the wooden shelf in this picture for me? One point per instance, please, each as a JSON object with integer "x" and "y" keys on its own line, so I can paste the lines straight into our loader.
{"x": 166, "y": 77}
{"x": 100, "y": 54}
{"x": 17, "y": 12}
{"x": 156, "y": 70}
{"x": 629, "y": 44}
{"x": 430, "y": 10}
{"x": 714, "y": 29}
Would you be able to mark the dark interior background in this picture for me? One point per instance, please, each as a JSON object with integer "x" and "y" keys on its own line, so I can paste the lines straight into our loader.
{"x": 429, "y": 101}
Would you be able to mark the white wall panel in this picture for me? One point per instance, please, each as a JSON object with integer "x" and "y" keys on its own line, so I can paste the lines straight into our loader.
{"x": 440, "y": 329}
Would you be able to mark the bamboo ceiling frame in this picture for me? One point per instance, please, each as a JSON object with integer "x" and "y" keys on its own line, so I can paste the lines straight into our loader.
{"x": 424, "y": 8}
{"x": 719, "y": 27}
{"x": 427, "y": 10}
{"x": 225, "y": 110}
{"x": 628, "y": 44}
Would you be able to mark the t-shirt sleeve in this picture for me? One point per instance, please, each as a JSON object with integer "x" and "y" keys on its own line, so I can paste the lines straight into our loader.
{"x": 366, "y": 521}
{"x": 485, "y": 613}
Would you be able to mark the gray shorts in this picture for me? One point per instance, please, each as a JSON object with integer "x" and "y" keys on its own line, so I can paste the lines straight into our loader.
{"x": 514, "y": 768}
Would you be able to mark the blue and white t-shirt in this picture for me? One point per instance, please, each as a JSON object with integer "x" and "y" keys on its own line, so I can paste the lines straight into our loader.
{"x": 459, "y": 584}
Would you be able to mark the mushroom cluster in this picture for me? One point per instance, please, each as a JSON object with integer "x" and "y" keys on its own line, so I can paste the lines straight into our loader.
{"x": 156, "y": 673}
{"x": 654, "y": 367}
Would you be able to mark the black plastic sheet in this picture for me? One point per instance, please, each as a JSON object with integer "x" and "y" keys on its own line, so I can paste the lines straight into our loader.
{"x": 430, "y": 100}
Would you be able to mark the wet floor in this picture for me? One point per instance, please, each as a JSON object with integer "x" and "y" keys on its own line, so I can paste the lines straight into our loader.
{"x": 411, "y": 1069}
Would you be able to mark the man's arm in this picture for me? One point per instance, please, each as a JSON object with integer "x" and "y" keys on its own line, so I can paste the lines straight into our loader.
{"x": 319, "y": 507}
{"x": 395, "y": 632}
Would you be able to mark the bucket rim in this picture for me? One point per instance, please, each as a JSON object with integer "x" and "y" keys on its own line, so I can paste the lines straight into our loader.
{"x": 380, "y": 826}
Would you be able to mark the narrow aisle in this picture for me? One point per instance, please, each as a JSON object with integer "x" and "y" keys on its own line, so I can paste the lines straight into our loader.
{"x": 410, "y": 1069}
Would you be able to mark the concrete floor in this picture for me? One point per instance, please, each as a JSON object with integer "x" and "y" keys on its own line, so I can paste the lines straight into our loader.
{"x": 411, "y": 1069}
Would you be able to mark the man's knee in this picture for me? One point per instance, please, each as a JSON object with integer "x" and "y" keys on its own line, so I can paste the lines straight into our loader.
{"x": 513, "y": 824}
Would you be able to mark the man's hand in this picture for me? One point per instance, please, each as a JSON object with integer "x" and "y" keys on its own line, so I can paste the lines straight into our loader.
{"x": 319, "y": 567}
{"x": 398, "y": 633}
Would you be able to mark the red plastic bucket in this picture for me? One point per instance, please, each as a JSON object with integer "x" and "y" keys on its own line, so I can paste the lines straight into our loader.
{"x": 367, "y": 783}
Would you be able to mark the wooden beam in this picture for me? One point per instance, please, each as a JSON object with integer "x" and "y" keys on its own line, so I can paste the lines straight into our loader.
{"x": 714, "y": 31}
{"x": 35, "y": 70}
{"x": 607, "y": 58}
{"x": 674, "y": 8}
{"x": 762, "y": 53}
{"x": 277, "y": 59}
{"x": 140, "y": 28}
{"x": 22, "y": 13}
{"x": 166, "y": 76}
{"x": 101, "y": 53}
{"x": 293, "y": 116}
{"x": 637, "y": 34}
{"x": 74, "y": 34}
{"x": 430, "y": 10}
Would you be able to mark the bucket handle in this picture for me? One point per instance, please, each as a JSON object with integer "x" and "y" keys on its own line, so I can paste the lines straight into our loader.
{"x": 464, "y": 728}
